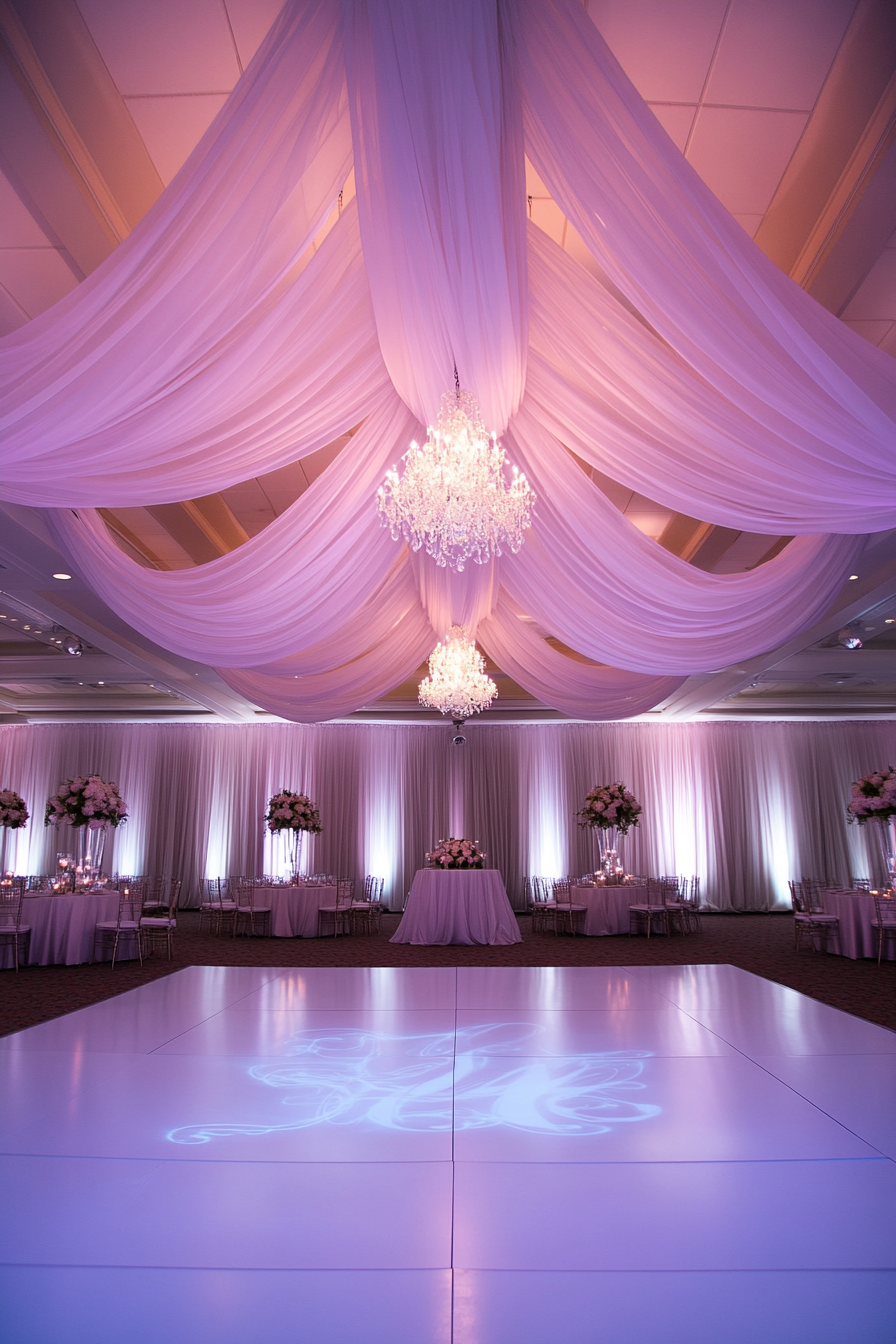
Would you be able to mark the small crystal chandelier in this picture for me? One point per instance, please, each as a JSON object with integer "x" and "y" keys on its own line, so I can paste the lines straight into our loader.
{"x": 453, "y": 498}
{"x": 457, "y": 684}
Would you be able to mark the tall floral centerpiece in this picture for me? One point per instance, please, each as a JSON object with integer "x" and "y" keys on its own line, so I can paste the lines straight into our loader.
{"x": 292, "y": 815}
{"x": 13, "y": 815}
{"x": 452, "y": 853}
{"x": 90, "y": 806}
{"x": 610, "y": 811}
{"x": 874, "y": 799}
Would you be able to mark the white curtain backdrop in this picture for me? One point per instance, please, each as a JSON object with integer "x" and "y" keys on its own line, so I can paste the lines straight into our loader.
{"x": 744, "y": 806}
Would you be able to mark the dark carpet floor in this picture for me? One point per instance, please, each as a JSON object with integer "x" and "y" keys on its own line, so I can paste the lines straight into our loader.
{"x": 759, "y": 943}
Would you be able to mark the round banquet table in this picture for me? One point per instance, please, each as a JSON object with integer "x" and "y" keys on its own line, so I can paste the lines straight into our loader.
{"x": 62, "y": 928}
{"x": 606, "y": 910}
{"x": 294, "y": 910}
{"x": 855, "y": 911}
{"x": 459, "y": 905}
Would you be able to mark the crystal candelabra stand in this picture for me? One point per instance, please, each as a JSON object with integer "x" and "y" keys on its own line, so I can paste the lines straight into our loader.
{"x": 457, "y": 684}
{"x": 452, "y": 498}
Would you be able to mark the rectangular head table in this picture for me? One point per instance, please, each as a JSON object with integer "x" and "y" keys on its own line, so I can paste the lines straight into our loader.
{"x": 459, "y": 905}
{"x": 294, "y": 910}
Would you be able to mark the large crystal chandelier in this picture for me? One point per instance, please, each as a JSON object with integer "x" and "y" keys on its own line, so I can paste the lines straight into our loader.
{"x": 453, "y": 498}
{"x": 457, "y": 684}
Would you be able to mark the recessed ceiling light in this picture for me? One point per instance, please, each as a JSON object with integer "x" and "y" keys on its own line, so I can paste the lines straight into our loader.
{"x": 891, "y": 620}
{"x": 62, "y": 576}
{"x": 26, "y": 627}
{"x": 101, "y": 683}
{"x": 853, "y": 576}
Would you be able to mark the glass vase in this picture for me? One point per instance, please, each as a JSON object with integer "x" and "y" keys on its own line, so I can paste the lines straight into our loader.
{"x": 609, "y": 846}
{"x": 294, "y": 852}
{"x": 89, "y": 859}
{"x": 7, "y": 850}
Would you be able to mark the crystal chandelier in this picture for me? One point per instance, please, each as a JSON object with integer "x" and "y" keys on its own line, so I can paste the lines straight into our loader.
{"x": 457, "y": 684}
{"x": 452, "y": 497}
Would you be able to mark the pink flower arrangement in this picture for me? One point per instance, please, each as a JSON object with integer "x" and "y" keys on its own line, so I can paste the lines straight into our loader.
{"x": 88, "y": 801}
{"x": 873, "y": 797}
{"x": 454, "y": 853}
{"x": 13, "y": 812}
{"x": 609, "y": 805}
{"x": 292, "y": 812}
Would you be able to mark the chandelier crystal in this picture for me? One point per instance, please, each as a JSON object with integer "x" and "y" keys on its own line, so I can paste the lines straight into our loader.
{"x": 457, "y": 684}
{"x": 453, "y": 498}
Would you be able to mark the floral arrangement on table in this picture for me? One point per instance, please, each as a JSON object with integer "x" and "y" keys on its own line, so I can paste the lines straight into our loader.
{"x": 609, "y": 805}
{"x": 13, "y": 812}
{"x": 292, "y": 812}
{"x": 87, "y": 801}
{"x": 452, "y": 853}
{"x": 873, "y": 797}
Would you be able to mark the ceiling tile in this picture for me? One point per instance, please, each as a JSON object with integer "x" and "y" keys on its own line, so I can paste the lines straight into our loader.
{"x": 741, "y": 155}
{"x": 676, "y": 120}
{"x": 36, "y": 277}
{"x": 749, "y": 223}
{"x": 876, "y": 297}
{"x": 164, "y": 46}
{"x": 664, "y": 49}
{"x": 17, "y": 227}
{"x": 250, "y": 21}
{"x": 777, "y": 55}
{"x": 875, "y": 332}
{"x": 12, "y": 314}
{"x": 172, "y": 127}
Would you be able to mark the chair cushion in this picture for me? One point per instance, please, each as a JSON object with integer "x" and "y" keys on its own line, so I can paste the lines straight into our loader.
{"x": 157, "y": 924}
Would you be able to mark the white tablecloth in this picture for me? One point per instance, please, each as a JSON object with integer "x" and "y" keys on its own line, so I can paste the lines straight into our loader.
{"x": 294, "y": 909}
{"x": 855, "y": 911}
{"x": 458, "y": 906}
{"x": 62, "y": 928}
{"x": 607, "y": 907}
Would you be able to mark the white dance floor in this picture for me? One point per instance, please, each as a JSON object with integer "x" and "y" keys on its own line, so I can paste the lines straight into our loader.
{"x": 450, "y": 1156}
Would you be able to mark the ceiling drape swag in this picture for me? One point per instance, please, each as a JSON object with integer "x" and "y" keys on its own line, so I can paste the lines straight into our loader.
{"x": 217, "y": 343}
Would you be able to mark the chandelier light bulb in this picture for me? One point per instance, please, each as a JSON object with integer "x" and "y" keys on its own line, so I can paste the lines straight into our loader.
{"x": 453, "y": 498}
{"x": 457, "y": 683}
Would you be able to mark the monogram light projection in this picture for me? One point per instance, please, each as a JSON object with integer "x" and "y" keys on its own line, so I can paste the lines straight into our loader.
{"x": 437, "y": 1081}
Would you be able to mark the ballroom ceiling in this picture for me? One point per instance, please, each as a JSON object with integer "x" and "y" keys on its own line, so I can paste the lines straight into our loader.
{"x": 786, "y": 108}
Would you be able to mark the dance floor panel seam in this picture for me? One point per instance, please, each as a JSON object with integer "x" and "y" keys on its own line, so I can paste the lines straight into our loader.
{"x": 466, "y": 1155}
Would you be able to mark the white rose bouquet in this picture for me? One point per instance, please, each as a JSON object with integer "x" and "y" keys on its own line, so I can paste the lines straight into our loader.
{"x": 609, "y": 805}
{"x": 13, "y": 812}
{"x": 453, "y": 853}
{"x": 88, "y": 801}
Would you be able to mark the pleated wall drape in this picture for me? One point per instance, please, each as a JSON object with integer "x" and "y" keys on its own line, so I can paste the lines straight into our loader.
{"x": 744, "y": 806}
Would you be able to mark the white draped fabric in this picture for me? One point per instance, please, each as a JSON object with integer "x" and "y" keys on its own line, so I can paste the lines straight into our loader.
{"x": 220, "y": 341}
{"x": 744, "y": 806}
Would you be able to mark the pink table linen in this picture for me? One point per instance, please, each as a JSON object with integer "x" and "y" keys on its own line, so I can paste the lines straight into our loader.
{"x": 294, "y": 910}
{"x": 855, "y": 911}
{"x": 607, "y": 907}
{"x": 62, "y": 927}
{"x": 457, "y": 906}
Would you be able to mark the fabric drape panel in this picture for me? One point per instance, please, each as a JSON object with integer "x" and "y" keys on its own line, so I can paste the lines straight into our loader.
{"x": 300, "y": 580}
{"x": 341, "y": 690}
{"x": 305, "y": 369}
{"x": 605, "y": 385}
{"x": 209, "y": 260}
{"x": 575, "y": 688}
{"x": 680, "y": 258}
{"x": 633, "y": 605}
{"x": 439, "y": 169}
{"x": 744, "y": 806}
